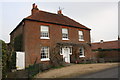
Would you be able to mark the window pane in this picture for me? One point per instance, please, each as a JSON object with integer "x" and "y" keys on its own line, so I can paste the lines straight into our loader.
{"x": 44, "y": 52}
{"x": 65, "y": 33}
{"x": 44, "y": 28}
{"x": 44, "y": 31}
{"x": 64, "y": 30}
{"x": 80, "y": 33}
{"x": 65, "y": 36}
{"x": 81, "y": 51}
{"x": 44, "y": 34}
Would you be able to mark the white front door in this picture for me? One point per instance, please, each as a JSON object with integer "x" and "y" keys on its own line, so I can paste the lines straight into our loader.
{"x": 66, "y": 55}
{"x": 20, "y": 60}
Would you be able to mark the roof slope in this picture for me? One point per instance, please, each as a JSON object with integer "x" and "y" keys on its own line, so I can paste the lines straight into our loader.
{"x": 107, "y": 45}
{"x": 47, "y": 17}
{"x": 55, "y": 18}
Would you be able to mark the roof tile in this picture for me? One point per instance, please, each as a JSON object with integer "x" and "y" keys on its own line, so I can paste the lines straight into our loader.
{"x": 107, "y": 45}
{"x": 55, "y": 18}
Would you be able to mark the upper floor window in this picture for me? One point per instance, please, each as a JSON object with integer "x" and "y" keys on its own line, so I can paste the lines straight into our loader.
{"x": 44, "y": 32}
{"x": 64, "y": 34}
{"x": 44, "y": 53}
{"x": 80, "y": 33}
{"x": 81, "y": 51}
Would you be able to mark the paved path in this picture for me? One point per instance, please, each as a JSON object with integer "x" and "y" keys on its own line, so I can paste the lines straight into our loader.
{"x": 108, "y": 73}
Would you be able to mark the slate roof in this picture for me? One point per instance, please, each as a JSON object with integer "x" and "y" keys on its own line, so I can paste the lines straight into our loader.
{"x": 106, "y": 45}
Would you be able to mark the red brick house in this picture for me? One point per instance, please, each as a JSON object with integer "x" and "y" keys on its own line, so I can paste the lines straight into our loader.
{"x": 108, "y": 50}
{"x": 46, "y": 35}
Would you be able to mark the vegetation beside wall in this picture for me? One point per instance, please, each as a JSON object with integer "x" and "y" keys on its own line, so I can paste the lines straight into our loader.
{"x": 106, "y": 49}
{"x": 4, "y": 58}
{"x": 56, "y": 59}
{"x": 8, "y": 58}
{"x": 107, "y": 55}
{"x": 101, "y": 54}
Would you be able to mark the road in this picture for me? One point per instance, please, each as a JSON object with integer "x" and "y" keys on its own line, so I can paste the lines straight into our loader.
{"x": 108, "y": 73}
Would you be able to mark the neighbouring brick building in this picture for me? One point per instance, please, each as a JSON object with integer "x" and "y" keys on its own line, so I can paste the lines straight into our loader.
{"x": 108, "y": 50}
{"x": 48, "y": 37}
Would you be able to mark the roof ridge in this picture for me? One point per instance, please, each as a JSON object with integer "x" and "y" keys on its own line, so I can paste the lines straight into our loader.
{"x": 45, "y": 16}
{"x": 48, "y": 12}
{"x": 64, "y": 16}
{"x": 106, "y": 42}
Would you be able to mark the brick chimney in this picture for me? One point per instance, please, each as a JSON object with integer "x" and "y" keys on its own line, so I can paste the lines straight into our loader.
{"x": 59, "y": 12}
{"x": 118, "y": 37}
{"x": 34, "y": 9}
{"x": 101, "y": 41}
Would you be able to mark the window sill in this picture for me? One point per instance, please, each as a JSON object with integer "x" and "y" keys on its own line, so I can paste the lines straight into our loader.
{"x": 47, "y": 59}
{"x": 81, "y": 56}
{"x": 64, "y": 39}
{"x": 81, "y": 40}
{"x": 44, "y": 38}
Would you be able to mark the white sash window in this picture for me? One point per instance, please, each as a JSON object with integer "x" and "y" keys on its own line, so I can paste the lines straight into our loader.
{"x": 44, "y": 53}
{"x": 64, "y": 34}
{"x": 81, "y": 37}
{"x": 81, "y": 52}
{"x": 44, "y": 32}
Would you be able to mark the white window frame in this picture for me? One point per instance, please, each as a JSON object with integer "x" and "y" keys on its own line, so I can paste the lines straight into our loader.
{"x": 70, "y": 48}
{"x": 44, "y": 31}
{"x": 80, "y": 35}
{"x": 83, "y": 53}
{"x": 45, "y": 59}
{"x": 66, "y": 33}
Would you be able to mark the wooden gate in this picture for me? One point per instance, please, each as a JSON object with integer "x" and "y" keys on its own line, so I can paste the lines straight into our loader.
{"x": 20, "y": 60}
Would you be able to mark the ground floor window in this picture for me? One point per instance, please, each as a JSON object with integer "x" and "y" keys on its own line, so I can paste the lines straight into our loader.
{"x": 81, "y": 52}
{"x": 44, "y": 53}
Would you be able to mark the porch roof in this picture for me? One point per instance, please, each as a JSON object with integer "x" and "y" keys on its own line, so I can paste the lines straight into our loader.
{"x": 72, "y": 44}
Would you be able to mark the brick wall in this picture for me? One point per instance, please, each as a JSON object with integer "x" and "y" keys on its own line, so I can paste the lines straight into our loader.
{"x": 33, "y": 43}
{"x": 109, "y": 55}
{"x": 15, "y": 33}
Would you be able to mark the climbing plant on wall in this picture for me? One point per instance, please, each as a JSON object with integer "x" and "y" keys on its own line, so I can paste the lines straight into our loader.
{"x": 18, "y": 43}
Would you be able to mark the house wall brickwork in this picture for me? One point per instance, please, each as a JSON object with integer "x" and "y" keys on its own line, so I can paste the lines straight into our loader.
{"x": 17, "y": 32}
{"x": 109, "y": 55}
{"x": 33, "y": 43}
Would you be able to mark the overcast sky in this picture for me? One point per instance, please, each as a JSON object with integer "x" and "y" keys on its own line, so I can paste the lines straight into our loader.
{"x": 101, "y": 17}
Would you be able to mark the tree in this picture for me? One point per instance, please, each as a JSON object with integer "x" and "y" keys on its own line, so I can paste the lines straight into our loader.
{"x": 3, "y": 49}
{"x": 8, "y": 58}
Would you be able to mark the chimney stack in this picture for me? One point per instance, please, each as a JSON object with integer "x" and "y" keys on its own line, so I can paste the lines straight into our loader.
{"x": 118, "y": 37}
{"x": 101, "y": 41}
{"x": 34, "y": 9}
{"x": 59, "y": 12}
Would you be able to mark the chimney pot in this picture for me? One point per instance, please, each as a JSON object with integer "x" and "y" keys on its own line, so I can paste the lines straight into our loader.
{"x": 34, "y": 5}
